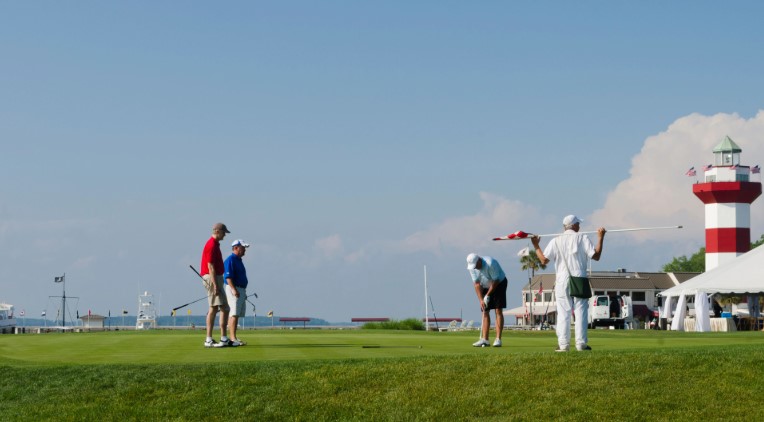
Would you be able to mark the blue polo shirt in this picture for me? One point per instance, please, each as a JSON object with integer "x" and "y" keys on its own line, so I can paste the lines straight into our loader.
{"x": 234, "y": 269}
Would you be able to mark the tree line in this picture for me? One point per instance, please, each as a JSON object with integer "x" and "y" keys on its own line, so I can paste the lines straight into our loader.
{"x": 696, "y": 263}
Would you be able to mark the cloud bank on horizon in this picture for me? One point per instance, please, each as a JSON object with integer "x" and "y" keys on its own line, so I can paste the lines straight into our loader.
{"x": 656, "y": 194}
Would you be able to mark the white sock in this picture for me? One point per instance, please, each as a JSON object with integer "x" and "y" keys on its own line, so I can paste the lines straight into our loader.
{"x": 209, "y": 339}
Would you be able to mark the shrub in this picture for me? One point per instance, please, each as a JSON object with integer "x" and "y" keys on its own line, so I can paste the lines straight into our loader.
{"x": 405, "y": 324}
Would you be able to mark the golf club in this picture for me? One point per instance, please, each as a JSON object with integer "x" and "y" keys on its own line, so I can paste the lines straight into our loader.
{"x": 189, "y": 303}
{"x": 200, "y": 276}
{"x": 518, "y": 235}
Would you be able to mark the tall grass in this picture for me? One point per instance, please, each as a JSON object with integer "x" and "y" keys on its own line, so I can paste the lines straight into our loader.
{"x": 405, "y": 324}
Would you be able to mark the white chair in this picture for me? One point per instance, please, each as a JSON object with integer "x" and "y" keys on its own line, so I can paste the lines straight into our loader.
{"x": 451, "y": 326}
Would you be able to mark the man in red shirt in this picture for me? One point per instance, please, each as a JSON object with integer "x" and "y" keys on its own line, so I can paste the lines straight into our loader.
{"x": 212, "y": 271}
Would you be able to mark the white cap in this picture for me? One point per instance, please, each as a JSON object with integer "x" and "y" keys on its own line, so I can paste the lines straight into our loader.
{"x": 570, "y": 220}
{"x": 239, "y": 242}
{"x": 472, "y": 260}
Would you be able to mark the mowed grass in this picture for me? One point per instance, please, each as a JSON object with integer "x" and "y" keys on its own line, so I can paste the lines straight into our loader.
{"x": 329, "y": 375}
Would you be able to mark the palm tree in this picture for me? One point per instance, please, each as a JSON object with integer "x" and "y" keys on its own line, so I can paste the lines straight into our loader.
{"x": 530, "y": 262}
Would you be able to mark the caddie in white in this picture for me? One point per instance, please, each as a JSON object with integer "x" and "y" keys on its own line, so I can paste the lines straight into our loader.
{"x": 570, "y": 252}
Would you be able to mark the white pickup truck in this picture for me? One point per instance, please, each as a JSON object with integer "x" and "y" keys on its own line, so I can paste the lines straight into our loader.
{"x": 610, "y": 311}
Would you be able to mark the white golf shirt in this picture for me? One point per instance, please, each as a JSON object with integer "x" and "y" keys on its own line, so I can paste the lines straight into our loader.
{"x": 575, "y": 249}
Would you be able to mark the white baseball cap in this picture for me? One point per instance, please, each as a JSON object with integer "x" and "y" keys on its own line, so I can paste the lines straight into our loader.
{"x": 472, "y": 260}
{"x": 239, "y": 242}
{"x": 570, "y": 220}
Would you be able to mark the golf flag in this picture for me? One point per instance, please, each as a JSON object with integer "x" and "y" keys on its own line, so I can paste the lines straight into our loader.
{"x": 58, "y": 279}
{"x": 189, "y": 312}
{"x": 756, "y": 169}
{"x": 524, "y": 252}
{"x": 270, "y": 314}
{"x": 691, "y": 172}
{"x": 43, "y": 313}
{"x": 516, "y": 235}
{"x": 124, "y": 312}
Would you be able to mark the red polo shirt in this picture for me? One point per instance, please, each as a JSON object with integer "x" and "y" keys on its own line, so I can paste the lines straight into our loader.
{"x": 212, "y": 254}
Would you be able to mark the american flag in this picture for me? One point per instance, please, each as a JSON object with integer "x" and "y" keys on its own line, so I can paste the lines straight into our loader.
{"x": 691, "y": 172}
{"x": 733, "y": 167}
{"x": 756, "y": 169}
{"x": 708, "y": 167}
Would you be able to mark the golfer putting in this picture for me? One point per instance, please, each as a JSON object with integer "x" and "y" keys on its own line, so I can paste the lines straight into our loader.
{"x": 491, "y": 289}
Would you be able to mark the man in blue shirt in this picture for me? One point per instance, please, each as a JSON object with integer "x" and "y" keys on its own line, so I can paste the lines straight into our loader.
{"x": 491, "y": 289}
{"x": 236, "y": 289}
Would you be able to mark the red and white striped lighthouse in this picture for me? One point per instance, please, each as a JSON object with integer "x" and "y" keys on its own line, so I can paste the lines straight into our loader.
{"x": 728, "y": 193}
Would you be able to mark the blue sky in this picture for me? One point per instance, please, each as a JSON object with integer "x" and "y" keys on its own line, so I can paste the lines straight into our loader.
{"x": 352, "y": 143}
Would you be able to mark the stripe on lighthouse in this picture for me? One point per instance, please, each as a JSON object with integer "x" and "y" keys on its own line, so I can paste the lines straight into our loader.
{"x": 728, "y": 239}
{"x": 728, "y": 215}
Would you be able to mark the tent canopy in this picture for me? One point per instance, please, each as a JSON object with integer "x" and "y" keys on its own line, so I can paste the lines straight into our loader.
{"x": 742, "y": 275}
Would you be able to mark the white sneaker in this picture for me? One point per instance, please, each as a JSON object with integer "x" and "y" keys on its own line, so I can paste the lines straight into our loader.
{"x": 481, "y": 343}
{"x": 497, "y": 342}
{"x": 237, "y": 343}
{"x": 209, "y": 343}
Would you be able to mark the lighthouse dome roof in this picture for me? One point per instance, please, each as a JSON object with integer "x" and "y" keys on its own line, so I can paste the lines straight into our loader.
{"x": 727, "y": 145}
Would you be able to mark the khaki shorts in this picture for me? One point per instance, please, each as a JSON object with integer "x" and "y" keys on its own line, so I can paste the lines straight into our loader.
{"x": 220, "y": 299}
{"x": 239, "y": 308}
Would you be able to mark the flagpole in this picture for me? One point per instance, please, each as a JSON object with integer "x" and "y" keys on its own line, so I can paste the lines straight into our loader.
{"x": 523, "y": 235}
{"x": 530, "y": 298}
{"x": 426, "y": 309}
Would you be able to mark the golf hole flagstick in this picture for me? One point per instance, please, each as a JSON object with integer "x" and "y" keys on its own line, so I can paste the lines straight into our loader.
{"x": 519, "y": 235}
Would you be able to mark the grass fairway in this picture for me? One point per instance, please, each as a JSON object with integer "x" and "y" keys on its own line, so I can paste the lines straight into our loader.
{"x": 400, "y": 375}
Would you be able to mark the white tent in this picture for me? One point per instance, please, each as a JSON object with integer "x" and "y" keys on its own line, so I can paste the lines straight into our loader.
{"x": 742, "y": 275}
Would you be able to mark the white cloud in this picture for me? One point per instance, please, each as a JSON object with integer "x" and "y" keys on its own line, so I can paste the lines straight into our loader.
{"x": 658, "y": 193}
{"x": 497, "y": 217}
{"x": 329, "y": 246}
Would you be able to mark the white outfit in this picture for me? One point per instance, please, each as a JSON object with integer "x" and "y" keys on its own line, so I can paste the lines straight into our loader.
{"x": 576, "y": 249}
